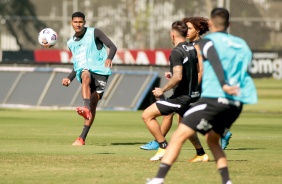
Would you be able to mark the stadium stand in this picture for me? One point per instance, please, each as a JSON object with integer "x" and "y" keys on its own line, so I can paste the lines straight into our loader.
{"x": 40, "y": 87}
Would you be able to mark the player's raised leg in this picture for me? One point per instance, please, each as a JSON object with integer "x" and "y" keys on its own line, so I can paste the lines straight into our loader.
{"x": 85, "y": 90}
{"x": 165, "y": 127}
{"x": 80, "y": 141}
{"x": 149, "y": 117}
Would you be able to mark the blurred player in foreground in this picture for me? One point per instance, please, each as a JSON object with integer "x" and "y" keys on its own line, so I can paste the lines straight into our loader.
{"x": 196, "y": 27}
{"x": 226, "y": 87}
{"x": 91, "y": 67}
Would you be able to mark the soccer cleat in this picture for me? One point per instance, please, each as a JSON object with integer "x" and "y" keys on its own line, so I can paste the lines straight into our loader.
{"x": 78, "y": 142}
{"x": 197, "y": 158}
{"x": 225, "y": 140}
{"x": 153, "y": 145}
{"x": 158, "y": 156}
{"x": 84, "y": 112}
{"x": 155, "y": 181}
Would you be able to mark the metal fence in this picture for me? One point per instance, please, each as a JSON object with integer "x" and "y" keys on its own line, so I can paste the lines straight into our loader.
{"x": 135, "y": 24}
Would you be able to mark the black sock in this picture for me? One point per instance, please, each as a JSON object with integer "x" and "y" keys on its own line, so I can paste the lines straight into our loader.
{"x": 200, "y": 152}
{"x": 224, "y": 174}
{"x": 84, "y": 132}
{"x": 163, "y": 145}
{"x": 86, "y": 103}
{"x": 163, "y": 169}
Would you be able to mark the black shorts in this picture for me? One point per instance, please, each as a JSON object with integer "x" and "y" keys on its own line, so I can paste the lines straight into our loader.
{"x": 217, "y": 114}
{"x": 173, "y": 104}
{"x": 98, "y": 83}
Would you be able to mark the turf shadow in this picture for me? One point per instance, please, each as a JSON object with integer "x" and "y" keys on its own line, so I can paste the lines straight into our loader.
{"x": 104, "y": 153}
{"x": 242, "y": 149}
{"x": 127, "y": 143}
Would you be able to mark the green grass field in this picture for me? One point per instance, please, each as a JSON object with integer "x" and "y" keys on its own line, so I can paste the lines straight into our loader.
{"x": 35, "y": 147}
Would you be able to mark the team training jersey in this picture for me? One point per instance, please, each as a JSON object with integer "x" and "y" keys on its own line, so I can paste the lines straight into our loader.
{"x": 234, "y": 56}
{"x": 184, "y": 54}
{"x": 85, "y": 55}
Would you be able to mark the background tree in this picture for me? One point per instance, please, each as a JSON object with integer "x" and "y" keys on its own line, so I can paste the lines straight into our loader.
{"x": 19, "y": 20}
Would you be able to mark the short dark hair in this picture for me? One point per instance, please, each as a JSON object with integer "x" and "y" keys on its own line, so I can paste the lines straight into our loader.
{"x": 220, "y": 16}
{"x": 180, "y": 27}
{"x": 78, "y": 14}
{"x": 201, "y": 24}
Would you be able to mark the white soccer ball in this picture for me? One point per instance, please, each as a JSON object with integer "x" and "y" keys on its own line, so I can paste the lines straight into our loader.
{"x": 47, "y": 37}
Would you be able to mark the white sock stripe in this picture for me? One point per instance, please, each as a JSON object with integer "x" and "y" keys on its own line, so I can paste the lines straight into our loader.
{"x": 194, "y": 109}
{"x": 169, "y": 104}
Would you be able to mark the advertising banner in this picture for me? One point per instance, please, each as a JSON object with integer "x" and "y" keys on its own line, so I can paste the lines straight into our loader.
{"x": 264, "y": 63}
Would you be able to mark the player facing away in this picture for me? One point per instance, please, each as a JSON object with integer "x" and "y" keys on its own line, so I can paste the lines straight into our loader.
{"x": 91, "y": 67}
{"x": 184, "y": 82}
{"x": 197, "y": 26}
{"x": 226, "y": 86}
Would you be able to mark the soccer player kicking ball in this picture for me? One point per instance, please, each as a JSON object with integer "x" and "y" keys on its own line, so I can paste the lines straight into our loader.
{"x": 91, "y": 67}
{"x": 226, "y": 87}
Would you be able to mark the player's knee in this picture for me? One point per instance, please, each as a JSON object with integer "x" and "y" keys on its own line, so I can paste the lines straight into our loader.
{"x": 212, "y": 138}
{"x": 146, "y": 117}
{"x": 209, "y": 142}
{"x": 85, "y": 76}
{"x": 183, "y": 132}
{"x": 179, "y": 136}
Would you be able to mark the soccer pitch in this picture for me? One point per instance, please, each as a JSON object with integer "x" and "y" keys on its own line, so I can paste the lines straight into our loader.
{"x": 35, "y": 147}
